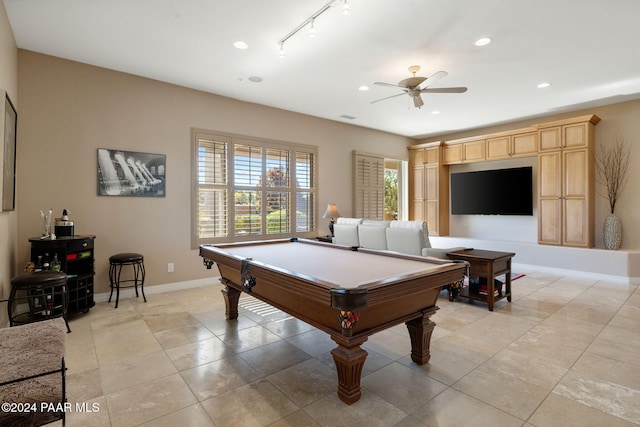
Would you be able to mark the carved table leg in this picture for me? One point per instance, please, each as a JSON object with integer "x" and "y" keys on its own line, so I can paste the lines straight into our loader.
{"x": 231, "y": 297}
{"x": 349, "y": 363}
{"x": 420, "y": 331}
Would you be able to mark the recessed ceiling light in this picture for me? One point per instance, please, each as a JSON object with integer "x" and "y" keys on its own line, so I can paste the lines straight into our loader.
{"x": 240, "y": 44}
{"x": 435, "y": 112}
{"x": 483, "y": 41}
{"x": 543, "y": 85}
{"x": 363, "y": 88}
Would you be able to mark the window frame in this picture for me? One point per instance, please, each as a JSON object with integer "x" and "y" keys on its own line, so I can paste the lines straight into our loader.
{"x": 267, "y": 146}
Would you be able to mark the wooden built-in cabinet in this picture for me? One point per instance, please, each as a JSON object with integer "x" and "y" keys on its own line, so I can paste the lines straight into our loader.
{"x": 429, "y": 187}
{"x": 566, "y": 183}
{"x": 566, "y": 180}
{"x": 464, "y": 151}
{"x": 502, "y": 147}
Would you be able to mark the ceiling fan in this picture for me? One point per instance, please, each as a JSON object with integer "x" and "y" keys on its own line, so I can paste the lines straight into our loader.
{"x": 414, "y": 86}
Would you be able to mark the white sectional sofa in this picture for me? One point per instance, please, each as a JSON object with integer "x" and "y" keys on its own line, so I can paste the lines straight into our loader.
{"x": 409, "y": 237}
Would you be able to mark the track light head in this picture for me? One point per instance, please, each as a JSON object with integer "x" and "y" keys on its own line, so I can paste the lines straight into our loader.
{"x": 345, "y": 8}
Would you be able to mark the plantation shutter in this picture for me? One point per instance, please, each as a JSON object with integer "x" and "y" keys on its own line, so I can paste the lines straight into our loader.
{"x": 247, "y": 183}
{"x": 278, "y": 191}
{"x": 368, "y": 186}
{"x": 305, "y": 191}
{"x": 212, "y": 187}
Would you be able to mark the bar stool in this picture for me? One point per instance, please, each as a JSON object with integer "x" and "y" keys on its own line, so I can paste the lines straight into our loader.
{"x": 116, "y": 262}
{"x": 45, "y": 293}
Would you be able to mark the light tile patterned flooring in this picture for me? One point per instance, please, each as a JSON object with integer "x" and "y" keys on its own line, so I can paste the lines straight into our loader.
{"x": 565, "y": 352}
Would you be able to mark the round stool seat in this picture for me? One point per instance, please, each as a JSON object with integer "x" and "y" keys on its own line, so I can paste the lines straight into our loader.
{"x": 39, "y": 278}
{"x": 125, "y": 258}
{"x": 45, "y": 294}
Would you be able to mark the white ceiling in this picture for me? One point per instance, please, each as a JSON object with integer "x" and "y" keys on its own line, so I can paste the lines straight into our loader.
{"x": 587, "y": 49}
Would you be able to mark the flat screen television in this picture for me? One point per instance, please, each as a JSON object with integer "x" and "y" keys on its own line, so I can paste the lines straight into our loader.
{"x": 492, "y": 192}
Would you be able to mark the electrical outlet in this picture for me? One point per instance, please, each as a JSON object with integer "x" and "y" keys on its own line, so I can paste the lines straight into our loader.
{"x": 170, "y": 267}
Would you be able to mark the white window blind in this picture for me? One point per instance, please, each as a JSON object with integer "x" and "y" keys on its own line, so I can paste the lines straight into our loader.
{"x": 305, "y": 193}
{"x": 368, "y": 186}
{"x": 212, "y": 187}
{"x": 250, "y": 189}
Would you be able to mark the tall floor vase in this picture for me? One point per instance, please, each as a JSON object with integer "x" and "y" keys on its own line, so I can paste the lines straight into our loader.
{"x": 612, "y": 232}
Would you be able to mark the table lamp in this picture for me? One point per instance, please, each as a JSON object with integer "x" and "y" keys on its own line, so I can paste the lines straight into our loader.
{"x": 331, "y": 212}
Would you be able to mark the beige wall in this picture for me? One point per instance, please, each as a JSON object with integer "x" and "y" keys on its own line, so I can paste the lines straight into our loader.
{"x": 620, "y": 119}
{"x": 68, "y": 110}
{"x": 8, "y": 236}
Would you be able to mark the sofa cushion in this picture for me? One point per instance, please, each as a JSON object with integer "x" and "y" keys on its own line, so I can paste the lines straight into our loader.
{"x": 405, "y": 240}
{"x": 415, "y": 225}
{"x": 440, "y": 252}
{"x": 372, "y": 234}
{"x": 345, "y": 231}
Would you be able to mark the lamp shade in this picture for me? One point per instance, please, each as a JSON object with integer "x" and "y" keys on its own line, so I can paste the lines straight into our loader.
{"x": 331, "y": 212}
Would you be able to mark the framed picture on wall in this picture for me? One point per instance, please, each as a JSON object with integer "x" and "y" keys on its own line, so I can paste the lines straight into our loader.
{"x": 131, "y": 173}
{"x": 9, "y": 127}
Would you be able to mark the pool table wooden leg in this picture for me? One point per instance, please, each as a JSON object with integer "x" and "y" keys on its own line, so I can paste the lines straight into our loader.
{"x": 231, "y": 297}
{"x": 349, "y": 363}
{"x": 420, "y": 331}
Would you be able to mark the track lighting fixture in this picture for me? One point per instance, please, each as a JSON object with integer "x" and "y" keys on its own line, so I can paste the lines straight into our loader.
{"x": 310, "y": 21}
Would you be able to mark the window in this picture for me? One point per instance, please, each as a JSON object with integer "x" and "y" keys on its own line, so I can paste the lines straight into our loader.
{"x": 249, "y": 189}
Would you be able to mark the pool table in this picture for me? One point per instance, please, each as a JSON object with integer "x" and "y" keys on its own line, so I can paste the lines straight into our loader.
{"x": 349, "y": 293}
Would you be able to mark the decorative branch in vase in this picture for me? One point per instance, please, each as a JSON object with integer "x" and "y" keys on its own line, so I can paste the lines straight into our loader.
{"x": 612, "y": 166}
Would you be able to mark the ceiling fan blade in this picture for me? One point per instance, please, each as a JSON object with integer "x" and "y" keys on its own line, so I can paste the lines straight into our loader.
{"x": 444, "y": 90}
{"x": 417, "y": 101}
{"x": 388, "y": 97}
{"x": 433, "y": 78}
{"x": 385, "y": 84}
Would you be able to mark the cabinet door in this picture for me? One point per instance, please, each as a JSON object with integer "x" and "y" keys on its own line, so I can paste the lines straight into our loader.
{"x": 550, "y": 198}
{"x": 452, "y": 154}
{"x": 499, "y": 148}
{"x": 576, "y": 198}
{"x": 417, "y": 157}
{"x": 432, "y": 198}
{"x": 432, "y": 155}
{"x": 550, "y": 138}
{"x": 417, "y": 192}
{"x": 525, "y": 144}
{"x": 474, "y": 151}
{"x": 574, "y": 135}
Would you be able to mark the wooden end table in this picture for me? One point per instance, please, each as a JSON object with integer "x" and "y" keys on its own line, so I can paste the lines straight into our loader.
{"x": 487, "y": 264}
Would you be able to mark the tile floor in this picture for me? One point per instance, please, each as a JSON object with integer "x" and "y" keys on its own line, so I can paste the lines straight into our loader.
{"x": 565, "y": 352}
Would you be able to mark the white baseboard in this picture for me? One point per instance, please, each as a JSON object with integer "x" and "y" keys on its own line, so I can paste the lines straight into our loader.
{"x": 524, "y": 268}
{"x": 158, "y": 289}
